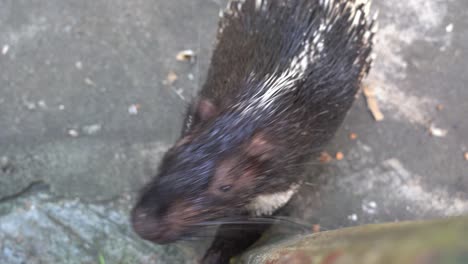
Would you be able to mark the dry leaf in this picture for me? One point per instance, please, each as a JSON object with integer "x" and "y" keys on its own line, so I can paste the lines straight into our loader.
{"x": 339, "y": 155}
{"x": 316, "y": 228}
{"x": 353, "y": 136}
{"x": 185, "y": 55}
{"x": 134, "y": 109}
{"x": 325, "y": 157}
{"x": 171, "y": 78}
{"x": 372, "y": 104}
{"x": 437, "y": 132}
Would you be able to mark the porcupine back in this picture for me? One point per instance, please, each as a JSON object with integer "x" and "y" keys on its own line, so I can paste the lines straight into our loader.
{"x": 296, "y": 63}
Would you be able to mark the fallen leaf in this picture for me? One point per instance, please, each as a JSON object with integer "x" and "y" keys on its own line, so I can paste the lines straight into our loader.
{"x": 316, "y": 228}
{"x": 325, "y": 157}
{"x": 185, "y": 55}
{"x": 372, "y": 104}
{"x": 353, "y": 136}
{"x": 171, "y": 78}
{"x": 339, "y": 155}
{"x": 437, "y": 132}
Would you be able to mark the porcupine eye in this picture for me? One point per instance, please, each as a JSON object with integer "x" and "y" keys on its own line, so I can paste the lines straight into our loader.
{"x": 225, "y": 188}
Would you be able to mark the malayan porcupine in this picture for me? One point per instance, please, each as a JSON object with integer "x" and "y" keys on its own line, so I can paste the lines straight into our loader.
{"x": 283, "y": 75}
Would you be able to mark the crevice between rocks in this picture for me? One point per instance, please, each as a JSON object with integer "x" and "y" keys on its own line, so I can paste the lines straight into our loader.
{"x": 32, "y": 187}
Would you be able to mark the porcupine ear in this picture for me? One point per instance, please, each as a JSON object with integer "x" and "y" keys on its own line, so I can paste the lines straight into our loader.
{"x": 200, "y": 110}
{"x": 205, "y": 109}
{"x": 261, "y": 147}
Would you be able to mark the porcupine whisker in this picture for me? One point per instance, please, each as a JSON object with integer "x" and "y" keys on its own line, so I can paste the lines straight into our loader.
{"x": 305, "y": 164}
{"x": 196, "y": 237}
{"x": 306, "y": 226}
{"x": 291, "y": 225}
{"x": 233, "y": 222}
{"x": 297, "y": 222}
{"x": 253, "y": 221}
{"x": 299, "y": 165}
{"x": 316, "y": 163}
{"x": 293, "y": 221}
{"x": 190, "y": 238}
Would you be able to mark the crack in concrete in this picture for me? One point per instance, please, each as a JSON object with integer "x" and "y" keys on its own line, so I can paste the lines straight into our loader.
{"x": 25, "y": 191}
{"x": 85, "y": 245}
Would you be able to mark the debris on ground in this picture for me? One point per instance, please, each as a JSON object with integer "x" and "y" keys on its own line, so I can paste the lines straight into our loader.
{"x": 369, "y": 207}
{"x": 449, "y": 28}
{"x": 89, "y": 82}
{"x": 372, "y": 104}
{"x": 73, "y": 133}
{"x": 353, "y": 136}
{"x": 29, "y": 104}
{"x": 92, "y": 129}
{"x": 171, "y": 78}
{"x": 353, "y": 217}
{"x": 325, "y": 157}
{"x": 42, "y": 104}
{"x": 133, "y": 109}
{"x": 5, "y": 49}
{"x": 79, "y": 65}
{"x": 316, "y": 228}
{"x": 186, "y": 55}
{"x": 339, "y": 155}
{"x": 437, "y": 132}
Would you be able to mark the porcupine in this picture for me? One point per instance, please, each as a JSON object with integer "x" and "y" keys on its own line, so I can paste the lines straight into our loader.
{"x": 283, "y": 76}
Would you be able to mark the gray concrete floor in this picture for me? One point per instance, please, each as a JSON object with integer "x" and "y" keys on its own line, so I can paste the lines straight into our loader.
{"x": 73, "y": 150}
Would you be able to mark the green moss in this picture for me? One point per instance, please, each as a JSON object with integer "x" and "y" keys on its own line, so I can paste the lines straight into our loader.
{"x": 406, "y": 242}
{"x": 101, "y": 259}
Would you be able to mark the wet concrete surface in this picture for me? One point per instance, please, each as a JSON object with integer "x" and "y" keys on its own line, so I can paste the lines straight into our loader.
{"x": 87, "y": 111}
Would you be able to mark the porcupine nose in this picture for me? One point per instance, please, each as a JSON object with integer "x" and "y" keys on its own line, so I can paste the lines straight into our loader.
{"x": 150, "y": 228}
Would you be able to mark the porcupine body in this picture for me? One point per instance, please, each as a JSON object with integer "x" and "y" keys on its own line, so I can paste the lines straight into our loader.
{"x": 283, "y": 75}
